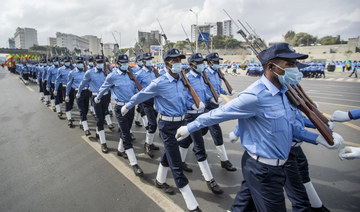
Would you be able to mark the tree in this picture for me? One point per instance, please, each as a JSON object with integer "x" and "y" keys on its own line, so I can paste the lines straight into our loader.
{"x": 330, "y": 40}
{"x": 304, "y": 39}
{"x": 231, "y": 43}
{"x": 289, "y": 37}
{"x": 181, "y": 44}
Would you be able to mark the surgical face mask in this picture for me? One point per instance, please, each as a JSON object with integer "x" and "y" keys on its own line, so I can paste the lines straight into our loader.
{"x": 148, "y": 63}
{"x": 176, "y": 68}
{"x": 200, "y": 68}
{"x": 91, "y": 64}
{"x": 140, "y": 63}
{"x": 100, "y": 65}
{"x": 50, "y": 64}
{"x": 67, "y": 64}
{"x": 292, "y": 76}
{"x": 215, "y": 66}
{"x": 56, "y": 63}
{"x": 124, "y": 66}
{"x": 62, "y": 63}
{"x": 80, "y": 65}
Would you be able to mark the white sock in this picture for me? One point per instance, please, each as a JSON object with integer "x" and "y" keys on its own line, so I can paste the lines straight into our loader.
{"x": 145, "y": 121}
{"x": 149, "y": 137}
{"x": 205, "y": 170}
{"x": 108, "y": 119}
{"x": 314, "y": 198}
{"x": 52, "y": 102}
{"x": 222, "y": 152}
{"x": 161, "y": 173}
{"x": 102, "y": 137}
{"x": 120, "y": 146}
{"x": 131, "y": 156}
{"x": 68, "y": 115}
{"x": 110, "y": 107}
{"x": 183, "y": 153}
{"x": 85, "y": 125}
{"x": 189, "y": 197}
{"x": 58, "y": 109}
{"x": 137, "y": 116}
{"x": 46, "y": 98}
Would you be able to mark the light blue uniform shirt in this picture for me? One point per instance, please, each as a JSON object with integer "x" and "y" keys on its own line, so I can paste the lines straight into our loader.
{"x": 74, "y": 80}
{"x": 121, "y": 86}
{"x": 162, "y": 71}
{"x": 145, "y": 76}
{"x": 201, "y": 89}
{"x": 215, "y": 80}
{"x": 355, "y": 113}
{"x": 62, "y": 77}
{"x": 169, "y": 96}
{"x": 265, "y": 119}
{"x": 136, "y": 68}
{"x": 51, "y": 75}
{"x": 94, "y": 78}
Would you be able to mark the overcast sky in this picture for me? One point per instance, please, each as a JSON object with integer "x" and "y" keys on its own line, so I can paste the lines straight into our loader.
{"x": 270, "y": 19}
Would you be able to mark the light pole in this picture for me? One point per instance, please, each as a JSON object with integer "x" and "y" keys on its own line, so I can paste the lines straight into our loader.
{"x": 196, "y": 29}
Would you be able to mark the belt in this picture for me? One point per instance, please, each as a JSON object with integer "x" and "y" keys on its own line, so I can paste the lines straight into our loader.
{"x": 64, "y": 86}
{"x": 296, "y": 144}
{"x": 195, "y": 111}
{"x": 121, "y": 103}
{"x": 171, "y": 118}
{"x": 95, "y": 94}
{"x": 76, "y": 89}
{"x": 268, "y": 161}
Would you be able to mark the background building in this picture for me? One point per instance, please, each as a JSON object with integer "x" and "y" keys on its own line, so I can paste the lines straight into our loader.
{"x": 51, "y": 41}
{"x": 218, "y": 28}
{"x": 71, "y": 41}
{"x": 94, "y": 44}
{"x": 25, "y": 38}
{"x": 109, "y": 49}
{"x": 153, "y": 37}
{"x": 11, "y": 43}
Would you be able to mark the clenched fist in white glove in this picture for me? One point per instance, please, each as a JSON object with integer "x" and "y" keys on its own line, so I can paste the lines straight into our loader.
{"x": 212, "y": 100}
{"x": 338, "y": 140}
{"x": 77, "y": 95}
{"x": 55, "y": 93}
{"x": 124, "y": 110}
{"x": 232, "y": 93}
{"x": 47, "y": 88}
{"x": 232, "y": 137}
{"x": 96, "y": 100}
{"x": 349, "y": 153}
{"x": 201, "y": 106}
{"x": 182, "y": 133}
{"x": 331, "y": 125}
{"x": 340, "y": 116}
{"x": 67, "y": 99}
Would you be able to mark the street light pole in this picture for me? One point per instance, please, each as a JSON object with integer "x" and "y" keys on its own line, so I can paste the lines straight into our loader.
{"x": 196, "y": 30}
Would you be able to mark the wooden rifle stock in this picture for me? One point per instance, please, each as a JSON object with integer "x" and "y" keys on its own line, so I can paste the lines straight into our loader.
{"x": 212, "y": 89}
{"x": 324, "y": 130}
{"x": 132, "y": 77}
{"x": 311, "y": 106}
{"x": 156, "y": 72}
{"x": 85, "y": 67}
{"x": 191, "y": 89}
{"x": 227, "y": 84}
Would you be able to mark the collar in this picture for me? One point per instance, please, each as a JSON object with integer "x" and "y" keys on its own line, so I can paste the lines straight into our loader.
{"x": 97, "y": 70}
{"x": 146, "y": 69}
{"x": 170, "y": 78}
{"x": 119, "y": 71}
{"x": 211, "y": 70}
{"x": 271, "y": 87}
{"x": 192, "y": 72}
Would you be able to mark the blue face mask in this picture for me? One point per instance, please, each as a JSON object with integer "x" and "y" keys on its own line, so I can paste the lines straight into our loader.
{"x": 200, "y": 68}
{"x": 140, "y": 63}
{"x": 91, "y": 64}
{"x": 67, "y": 64}
{"x": 215, "y": 66}
{"x": 100, "y": 65}
{"x": 148, "y": 63}
{"x": 124, "y": 66}
{"x": 292, "y": 76}
{"x": 56, "y": 63}
{"x": 62, "y": 63}
{"x": 176, "y": 68}
{"x": 80, "y": 65}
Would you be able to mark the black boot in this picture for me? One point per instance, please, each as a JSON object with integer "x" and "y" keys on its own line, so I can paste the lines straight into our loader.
{"x": 214, "y": 187}
{"x": 70, "y": 123}
{"x": 165, "y": 187}
{"x": 148, "y": 150}
{"x": 137, "y": 123}
{"x": 87, "y": 133}
{"x": 104, "y": 148}
{"x": 228, "y": 166}
{"x": 137, "y": 170}
{"x": 186, "y": 168}
{"x": 122, "y": 154}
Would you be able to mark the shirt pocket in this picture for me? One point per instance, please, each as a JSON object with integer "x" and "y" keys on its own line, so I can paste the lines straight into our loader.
{"x": 276, "y": 117}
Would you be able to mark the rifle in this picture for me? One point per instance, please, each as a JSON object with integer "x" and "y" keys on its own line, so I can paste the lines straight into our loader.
{"x": 184, "y": 79}
{"x": 205, "y": 77}
{"x": 132, "y": 77}
{"x": 256, "y": 35}
{"x": 102, "y": 53}
{"x": 298, "y": 99}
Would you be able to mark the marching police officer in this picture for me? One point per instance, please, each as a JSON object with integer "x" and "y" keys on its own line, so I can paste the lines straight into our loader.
{"x": 139, "y": 112}
{"x": 169, "y": 94}
{"x": 50, "y": 85}
{"x": 60, "y": 88}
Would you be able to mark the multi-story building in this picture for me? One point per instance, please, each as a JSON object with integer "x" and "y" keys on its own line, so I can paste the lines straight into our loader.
{"x": 153, "y": 37}
{"x": 51, "y": 41}
{"x": 71, "y": 41}
{"x": 94, "y": 44}
{"x": 11, "y": 43}
{"x": 218, "y": 28}
{"x": 25, "y": 38}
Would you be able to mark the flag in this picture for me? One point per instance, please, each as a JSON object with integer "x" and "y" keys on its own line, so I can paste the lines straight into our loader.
{"x": 204, "y": 37}
{"x": 348, "y": 64}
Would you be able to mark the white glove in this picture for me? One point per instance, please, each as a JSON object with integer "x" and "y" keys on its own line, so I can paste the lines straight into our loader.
{"x": 349, "y": 152}
{"x": 331, "y": 125}
{"x": 220, "y": 100}
{"x": 124, "y": 110}
{"x": 232, "y": 93}
{"x": 55, "y": 93}
{"x": 201, "y": 106}
{"x": 96, "y": 100}
{"x": 67, "y": 99}
{"x": 77, "y": 95}
{"x": 338, "y": 140}
{"x": 316, "y": 105}
{"x": 182, "y": 133}
{"x": 232, "y": 137}
{"x": 340, "y": 116}
{"x": 47, "y": 88}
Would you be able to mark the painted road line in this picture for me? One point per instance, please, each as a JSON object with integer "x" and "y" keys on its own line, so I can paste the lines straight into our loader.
{"x": 344, "y": 123}
{"x": 328, "y": 103}
{"x": 351, "y": 143}
{"x": 153, "y": 193}
{"x": 30, "y": 89}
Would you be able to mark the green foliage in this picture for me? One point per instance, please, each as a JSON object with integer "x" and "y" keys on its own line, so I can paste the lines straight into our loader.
{"x": 330, "y": 40}
{"x": 305, "y": 39}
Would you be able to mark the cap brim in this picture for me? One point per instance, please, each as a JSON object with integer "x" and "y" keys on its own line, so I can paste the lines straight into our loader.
{"x": 293, "y": 55}
{"x": 146, "y": 58}
{"x": 123, "y": 61}
{"x": 301, "y": 65}
{"x": 177, "y": 55}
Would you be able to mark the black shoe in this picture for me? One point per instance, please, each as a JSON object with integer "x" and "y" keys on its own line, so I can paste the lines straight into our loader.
{"x": 132, "y": 137}
{"x": 111, "y": 126}
{"x": 228, "y": 166}
{"x": 47, "y": 103}
{"x": 322, "y": 209}
{"x": 119, "y": 129}
{"x": 137, "y": 123}
{"x": 97, "y": 135}
{"x": 70, "y": 123}
{"x": 54, "y": 109}
{"x": 165, "y": 187}
{"x": 214, "y": 187}
{"x": 196, "y": 210}
{"x": 81, "y": 126}
{"x": 59, "y": 115}
{"x": 122, "y": 154}
{"x": 154, "y": 147}
{"x": 186, "y": 168}
{"x": 193, "y": 149}
{"x": 148, "y": 150}
{"x": 137, "y": 170}
{"x": 87, "y": 133}
{"x": 104, "y": 148}
{"x": 111, "y": 113}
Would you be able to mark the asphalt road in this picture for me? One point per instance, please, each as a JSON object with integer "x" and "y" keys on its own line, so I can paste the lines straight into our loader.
{"x": 46, "y": 166}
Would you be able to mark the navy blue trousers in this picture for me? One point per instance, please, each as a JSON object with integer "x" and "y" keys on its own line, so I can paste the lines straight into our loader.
{"x": 69, "y": 105}
{"x": 171, "y": 156}
{"x": 83, "y": 104}
{"x": 100, "y": 110}
{"x": 262, "y": 187}
{"x": 40, "y": 86}
{"x": 215, "y": 130}
{"x": 151, "y": 114}
{"x": 46, "y": 92}
{"x": 125, "y": 123}
{"x": 197, "y": 137}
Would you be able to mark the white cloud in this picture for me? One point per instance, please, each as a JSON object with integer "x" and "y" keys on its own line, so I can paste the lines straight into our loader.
{"x": 270, "y": 19}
